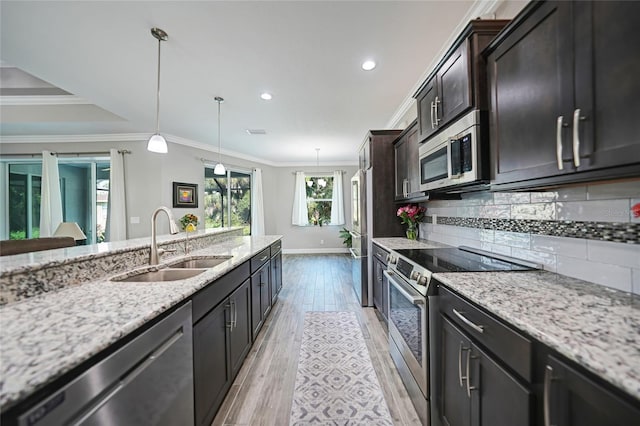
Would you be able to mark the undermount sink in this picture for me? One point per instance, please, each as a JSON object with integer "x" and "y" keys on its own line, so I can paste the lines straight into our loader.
{"x": 163, "y": 275}
{"x": 202, "y": 262}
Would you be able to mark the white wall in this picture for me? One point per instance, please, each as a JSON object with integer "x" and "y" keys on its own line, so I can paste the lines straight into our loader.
{"x": 150, "y": 178}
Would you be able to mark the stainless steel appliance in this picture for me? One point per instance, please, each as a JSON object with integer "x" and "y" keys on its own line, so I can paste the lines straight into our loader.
{"x": 410, "y": 293}
{"x": 453, "y": 156}
{"x": 359, "y": 249}
{"x": 149, "y": 381}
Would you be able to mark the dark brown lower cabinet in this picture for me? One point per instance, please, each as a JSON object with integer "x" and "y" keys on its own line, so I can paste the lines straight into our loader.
{"x": 475, "y": 389}
{"x": 260, "y": 297}
{"x": 571, "y": 398}
{"x": 380, "y": 288}
{"x": 221, "y": 341}
{"x": 276, "y": 276}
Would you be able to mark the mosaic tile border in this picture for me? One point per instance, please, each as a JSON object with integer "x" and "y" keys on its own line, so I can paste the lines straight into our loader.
{"x": 619, "y": 232}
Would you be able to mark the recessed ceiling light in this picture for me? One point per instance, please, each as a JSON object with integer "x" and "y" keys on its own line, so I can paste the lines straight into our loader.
{"x": 266, "y": 96}
{"x": 368, "y": 65}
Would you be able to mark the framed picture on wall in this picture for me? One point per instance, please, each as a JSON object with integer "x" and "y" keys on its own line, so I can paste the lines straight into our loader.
{"x": 185, "y": 195}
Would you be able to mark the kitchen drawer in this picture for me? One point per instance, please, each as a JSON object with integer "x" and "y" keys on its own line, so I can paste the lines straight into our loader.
{"x": 507, "y": 344}
{"x": 259, "y": 259}
{"x": 207, "y": 298}
{"x": 380, "y": 254}
{"x": 276, "y": 247}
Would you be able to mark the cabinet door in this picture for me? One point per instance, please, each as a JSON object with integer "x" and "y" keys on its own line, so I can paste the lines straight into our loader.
{"x": 240, "y": 331}
{"x": 211, "y": 376}
{"x": 256, "y": 303}
{"x": 276, "y": 276}
{"x": 607, "y": 83}
{"x": 573, "y": 399}
{"x": 531, "y": 85}
{"x": 455, "y": 406}
{"x": 413, "y": 161}
{"x": 454, "y": 90}
{"x": 400, "y": 150}
{"x": 497, "y": 397}
{"x": 426, "y": 103}
{"x": 265, "y": 289}
{"x": 377, "y": 284}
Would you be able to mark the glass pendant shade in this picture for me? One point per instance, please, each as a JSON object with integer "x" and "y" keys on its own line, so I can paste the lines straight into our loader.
{"x": 157, "y": 143}
{"x": 219, "y": 169}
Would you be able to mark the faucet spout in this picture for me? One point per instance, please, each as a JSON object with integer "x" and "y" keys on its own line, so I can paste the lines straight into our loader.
{"x": 154, "y": 255}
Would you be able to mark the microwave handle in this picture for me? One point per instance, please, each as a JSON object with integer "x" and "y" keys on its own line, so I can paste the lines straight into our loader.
{"x": 450, "y": 174}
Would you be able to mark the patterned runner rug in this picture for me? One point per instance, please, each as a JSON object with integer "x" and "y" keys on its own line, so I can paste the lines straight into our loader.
{"x": 335, "y": 382}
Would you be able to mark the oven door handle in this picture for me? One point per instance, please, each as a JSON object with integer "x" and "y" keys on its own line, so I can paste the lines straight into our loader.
{"x": 416, "y": 300}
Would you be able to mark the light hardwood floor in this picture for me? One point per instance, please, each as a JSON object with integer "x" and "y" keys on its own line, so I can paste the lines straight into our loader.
{"x": 263, "y": 390}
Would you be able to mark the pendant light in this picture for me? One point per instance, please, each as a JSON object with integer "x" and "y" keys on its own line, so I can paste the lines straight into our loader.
{"x": 157, "y": 143}
{"x": 219, "y": 168}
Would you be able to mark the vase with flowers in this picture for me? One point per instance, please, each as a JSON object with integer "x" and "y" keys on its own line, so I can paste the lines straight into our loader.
{"x": 189, "y": 223}
{"x": 411, "y": 216}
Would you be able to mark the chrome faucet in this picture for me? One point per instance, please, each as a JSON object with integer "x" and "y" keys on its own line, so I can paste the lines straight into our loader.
{"x": 154, "y": 255}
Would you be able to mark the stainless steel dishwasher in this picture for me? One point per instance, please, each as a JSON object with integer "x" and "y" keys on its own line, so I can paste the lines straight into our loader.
{"x": 149, "y": 381}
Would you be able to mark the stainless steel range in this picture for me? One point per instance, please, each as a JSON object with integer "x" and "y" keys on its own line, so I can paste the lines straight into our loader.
{"x": 410, "y": 286}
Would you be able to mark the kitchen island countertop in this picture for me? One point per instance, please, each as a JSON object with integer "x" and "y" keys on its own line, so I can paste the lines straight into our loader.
{"x": 45, "y": 336}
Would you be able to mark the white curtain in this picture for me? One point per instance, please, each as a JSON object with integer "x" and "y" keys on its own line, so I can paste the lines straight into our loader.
{"x": 300, "y": 215}
{"x": 50, "y": 196}
{"x": 337, "y": 200}
{"x": 117, "y": 216}
{"x": 257, "y": 204}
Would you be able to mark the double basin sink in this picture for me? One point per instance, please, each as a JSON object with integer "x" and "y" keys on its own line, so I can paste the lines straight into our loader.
{"x": 177, "y": 271}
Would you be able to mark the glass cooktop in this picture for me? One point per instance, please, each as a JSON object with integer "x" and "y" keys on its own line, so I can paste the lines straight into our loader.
{"x": 458, "y": 260}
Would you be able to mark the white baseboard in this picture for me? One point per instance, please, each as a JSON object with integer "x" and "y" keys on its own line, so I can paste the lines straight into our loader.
{"x": 315, "y": 251}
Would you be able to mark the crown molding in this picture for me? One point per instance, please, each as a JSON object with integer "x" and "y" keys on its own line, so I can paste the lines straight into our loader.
{"x": 479, "y": 8}
{"x": 137, "y": 137}
{"x": 42, "y": 100}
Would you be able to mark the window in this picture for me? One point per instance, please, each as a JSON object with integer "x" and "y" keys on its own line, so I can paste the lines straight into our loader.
{"x": 227, "y": 200}
{"x": 84, "y": 187}
{"x": 319, "y": 193}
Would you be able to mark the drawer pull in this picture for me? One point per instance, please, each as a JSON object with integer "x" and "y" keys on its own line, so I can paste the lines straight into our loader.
{"x": 262, "y": 259}
{"x": 478, "y": 328}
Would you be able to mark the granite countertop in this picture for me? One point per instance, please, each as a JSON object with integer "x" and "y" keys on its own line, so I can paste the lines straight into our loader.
{"x": 595, "y": 326}
{"x": 399, "y": 243}
{"x": 598, "y": 327}
{"x": 44, "y": 337}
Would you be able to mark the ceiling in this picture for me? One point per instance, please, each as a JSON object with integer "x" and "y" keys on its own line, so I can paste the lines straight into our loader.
{"x": 86, "y": 68}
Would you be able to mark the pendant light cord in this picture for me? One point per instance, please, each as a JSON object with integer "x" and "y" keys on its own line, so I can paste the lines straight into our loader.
{"x": 158, "y": 92}
{"x": 219, "y": 144}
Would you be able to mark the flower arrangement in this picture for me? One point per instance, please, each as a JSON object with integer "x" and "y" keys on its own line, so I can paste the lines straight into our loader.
{"x": 189, "y": 222}
{"x": 411, "y": 215}
{"x": 635, "y": 209}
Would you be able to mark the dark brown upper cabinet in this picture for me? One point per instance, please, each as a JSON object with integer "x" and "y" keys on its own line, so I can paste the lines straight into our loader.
{"x": 407, "y": 164}
{"x": 459, "y": 81}
{"x": 564, "y": 94}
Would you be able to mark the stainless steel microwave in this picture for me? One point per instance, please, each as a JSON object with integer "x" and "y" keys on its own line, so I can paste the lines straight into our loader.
{"x": 450, "y": 158}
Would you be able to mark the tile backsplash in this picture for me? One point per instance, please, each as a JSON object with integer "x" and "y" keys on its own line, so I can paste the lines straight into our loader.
{"x": 586, "y": 232}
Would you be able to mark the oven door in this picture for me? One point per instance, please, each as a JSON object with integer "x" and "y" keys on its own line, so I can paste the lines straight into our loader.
{"x": 408, "y": 327}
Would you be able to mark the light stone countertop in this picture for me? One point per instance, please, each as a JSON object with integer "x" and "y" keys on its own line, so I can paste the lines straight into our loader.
{"x": 399, "y": 243}
{"x": 45, "y": 336}
{"x": 596, "y": 326}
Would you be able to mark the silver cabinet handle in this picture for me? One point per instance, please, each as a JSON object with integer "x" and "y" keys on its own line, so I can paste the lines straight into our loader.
{"x": 262, "y": 259}
{"x": 478, "y": 328}
{"x": 433, "y": 105}
{"x": 435, "y": 112}
{"x": 577, "y": 118}
{"x": 460, "y": 376}
{"x": 469, "y": 387}
{"x": 559, "y": 125}
{"x": 548, "y": 372}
